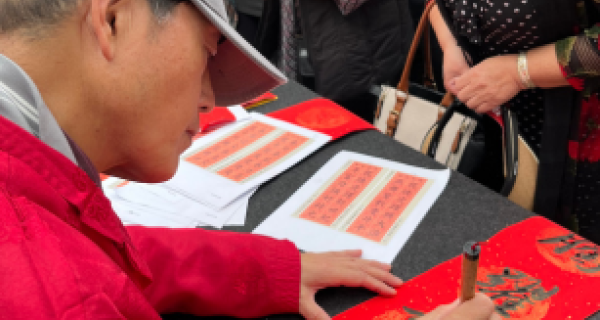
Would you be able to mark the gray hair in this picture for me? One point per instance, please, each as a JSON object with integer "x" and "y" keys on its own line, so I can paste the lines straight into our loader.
{"x": 37, "y": 15}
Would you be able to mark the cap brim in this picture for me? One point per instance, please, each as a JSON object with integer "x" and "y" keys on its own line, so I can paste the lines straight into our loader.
{"x": 238, "y": 72}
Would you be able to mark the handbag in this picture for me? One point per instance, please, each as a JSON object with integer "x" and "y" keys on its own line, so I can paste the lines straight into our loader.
{"x": 450, "y": 133}
{"x": 520, "y": 164}
{"x": 409, "y": 113}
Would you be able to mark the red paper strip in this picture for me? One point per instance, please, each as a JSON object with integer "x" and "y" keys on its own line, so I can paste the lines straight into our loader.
{"x": 231, "y": 144}
{"x": 532, "y": 270}
{"x": 379, "y": 216}
{"x": 216, "y": 118}
{"x": 338, "y": 196}
{"x": 324, "y": 116}
{"x": 264, "y": 157}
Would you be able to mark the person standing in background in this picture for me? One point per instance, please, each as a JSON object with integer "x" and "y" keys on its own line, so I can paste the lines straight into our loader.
{"x": 341, "y": 49}
{"x": 248, "y": 18}
{"x": 541, "y": 59}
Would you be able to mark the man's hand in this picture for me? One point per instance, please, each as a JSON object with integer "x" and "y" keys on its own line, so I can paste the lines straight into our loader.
{"x": 489, "y": 84}
{"x": 478, "y": 308}
{"x": 335, "y": 269}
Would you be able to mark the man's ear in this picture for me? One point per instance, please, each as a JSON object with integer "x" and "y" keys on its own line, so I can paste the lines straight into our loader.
{"x": 102, "y": 19}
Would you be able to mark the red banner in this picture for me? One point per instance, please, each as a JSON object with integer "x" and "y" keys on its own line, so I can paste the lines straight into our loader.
{"x": 532, "y": 270}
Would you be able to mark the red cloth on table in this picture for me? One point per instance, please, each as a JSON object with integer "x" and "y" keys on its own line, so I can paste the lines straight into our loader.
{"x": 65, "y": 253}
{"x": 323, "y": 116}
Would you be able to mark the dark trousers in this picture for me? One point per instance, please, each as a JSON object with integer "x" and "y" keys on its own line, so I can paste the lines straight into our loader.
{"x": 247, "y": 26}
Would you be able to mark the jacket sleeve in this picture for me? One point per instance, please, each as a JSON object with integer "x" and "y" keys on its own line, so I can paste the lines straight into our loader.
{"x": 348, "y": 6}
{"x": 579, "y": 58}
{"x": 219, "y": 273}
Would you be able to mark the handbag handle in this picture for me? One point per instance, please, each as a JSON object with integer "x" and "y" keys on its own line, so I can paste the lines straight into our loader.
{"x": 428, "y": 77}
{"x": 511, "y": 144}
{"x": 402, "y": 93}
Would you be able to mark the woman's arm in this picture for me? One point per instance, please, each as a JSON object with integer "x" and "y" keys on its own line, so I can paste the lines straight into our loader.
{"x": 445, "y": 37}
{"x": 579, "y": 56}
{"x": 544, "y": 69}
{"x": 454, "y": 64}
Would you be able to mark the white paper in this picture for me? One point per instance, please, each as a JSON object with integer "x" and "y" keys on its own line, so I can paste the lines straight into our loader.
{"x": 156, "y": 206}
{"x": 180, "y": 208}
{"x": 216, "y": 191}
{"x": 132, "y": 214}
{"x": 239, "y": 216}
{"x": 289, "y": 221}
{"x": 239, "y": 112}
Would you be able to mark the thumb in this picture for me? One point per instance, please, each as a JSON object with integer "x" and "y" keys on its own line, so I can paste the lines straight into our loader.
{"x": 310, "y": 310}
{"x": 439, "y": 312}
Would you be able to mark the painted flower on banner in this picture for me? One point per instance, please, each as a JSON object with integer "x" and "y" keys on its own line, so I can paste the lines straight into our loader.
{"x": 322, "y": 118}
{"x": 569, "y": 251}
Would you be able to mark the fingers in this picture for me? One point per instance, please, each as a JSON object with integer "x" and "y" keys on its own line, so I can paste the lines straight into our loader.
{"x": 385, "y": 276}
{"x": 476, "y": 97}
{"x": 439, "y": 312}
{"x": 310, "y": 310}
{"x": 377, "y": 264}
{"x": 479, "y": 104}
{"x": 480, "y": 307}
{"x": 357, "y": 253}
{"x": 362, "y": 274}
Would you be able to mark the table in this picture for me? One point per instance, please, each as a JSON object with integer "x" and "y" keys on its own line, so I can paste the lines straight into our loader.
{"x": 465, "y": 210}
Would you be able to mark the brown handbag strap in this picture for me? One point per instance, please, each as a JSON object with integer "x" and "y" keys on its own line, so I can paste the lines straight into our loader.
{"x": 428, "y": 77}
{"x": 423, "y": 25}
{"x": 422, "y": 29}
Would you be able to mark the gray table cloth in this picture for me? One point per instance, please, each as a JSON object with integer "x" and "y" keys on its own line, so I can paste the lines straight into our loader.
{"x": 465, "y": 210}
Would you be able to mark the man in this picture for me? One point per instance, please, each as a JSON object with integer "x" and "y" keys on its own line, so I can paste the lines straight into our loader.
{"x": 116, "y": 86}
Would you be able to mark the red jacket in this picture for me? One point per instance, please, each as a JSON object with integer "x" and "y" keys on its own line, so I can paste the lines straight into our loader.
{"x": 65, "y": 254}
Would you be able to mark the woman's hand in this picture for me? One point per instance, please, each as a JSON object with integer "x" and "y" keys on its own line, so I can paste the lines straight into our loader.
{"x": 478, "y": 308}
{"x": 454, "y": 64}
{"x": 335, "y": 269}
{"x": 489, "y": 84}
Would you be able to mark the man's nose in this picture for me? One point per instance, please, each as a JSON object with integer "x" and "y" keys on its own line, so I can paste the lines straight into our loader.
{"x": 207, "y": 99}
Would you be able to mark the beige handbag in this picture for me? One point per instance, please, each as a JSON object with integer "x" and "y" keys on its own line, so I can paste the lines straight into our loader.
{"x": 411, "y": 120}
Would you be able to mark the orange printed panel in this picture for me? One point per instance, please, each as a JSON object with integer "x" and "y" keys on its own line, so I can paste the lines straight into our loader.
{"x": 338, "y": 196}
{"x": 379, "y": 216}
{"x": 230, "y": 145}
{"x": 263, "y": 157}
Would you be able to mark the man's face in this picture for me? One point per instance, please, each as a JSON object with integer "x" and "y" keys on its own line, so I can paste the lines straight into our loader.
{"x": 162, "y": 86}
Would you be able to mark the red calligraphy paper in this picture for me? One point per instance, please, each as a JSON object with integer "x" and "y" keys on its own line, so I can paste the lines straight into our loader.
{"x": 230, "y": 144}
{"x": 324, "y": 116}
{"x": 532, "y": 270}
{"x": 344, "y": 189}
{"x": 380, "y": 215}
{"x": 266, "y": 156}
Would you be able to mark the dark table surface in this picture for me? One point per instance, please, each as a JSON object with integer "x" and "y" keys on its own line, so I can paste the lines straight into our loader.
{"x": 465, "y": 210}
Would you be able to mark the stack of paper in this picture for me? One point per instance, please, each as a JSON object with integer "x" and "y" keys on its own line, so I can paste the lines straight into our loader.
{"x": 154, "y": 205}
{"x": 357, "y": 202}
{"x": 217, "y": 175}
